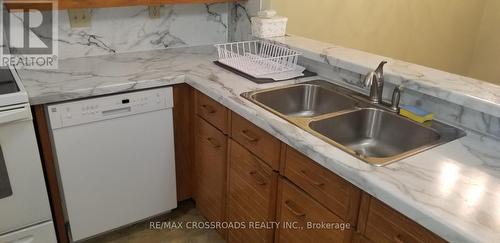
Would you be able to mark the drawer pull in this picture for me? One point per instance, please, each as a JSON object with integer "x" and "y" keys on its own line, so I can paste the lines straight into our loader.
{"x": 208, "y": 108}
{"x": 248, "y": 136}
{"x": 214, "y": 142}
{"x": 292, "y": 210}
{"x": 313, "y": 181}
{"x": 257, "y": 178}
{"x": 399, "y": 239}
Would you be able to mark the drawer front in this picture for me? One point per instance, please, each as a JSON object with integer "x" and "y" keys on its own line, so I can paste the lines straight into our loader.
{"x": 384, "y": 224}
{"x": 259, "y": 142}
{"x": 251, "y": 195}
{"x": 359, "y": 238}
{"x": 296, "y": 206}
{"x": 335, "y": 193}
{"x": 40, "y": 233}
{"x": 213, "y": 112}
{"x": 210, "y": 167}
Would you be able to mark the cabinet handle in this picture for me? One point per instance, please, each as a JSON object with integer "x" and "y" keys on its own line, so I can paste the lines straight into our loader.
{"x": 313, "y": 181}
{"x": 208, "y": 108}
{"x": 294, "y": 211}
{"x": 399, "y": 239}
{"x": 248, "y": 136}
{"x": 214, "y": 142}
{"x": 257, "y": 178}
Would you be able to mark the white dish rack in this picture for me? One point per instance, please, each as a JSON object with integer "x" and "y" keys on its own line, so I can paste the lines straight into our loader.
{"x": 260, "y": 59}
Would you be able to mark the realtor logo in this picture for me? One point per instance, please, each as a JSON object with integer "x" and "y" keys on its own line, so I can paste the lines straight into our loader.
{"x": 29, "y": 34}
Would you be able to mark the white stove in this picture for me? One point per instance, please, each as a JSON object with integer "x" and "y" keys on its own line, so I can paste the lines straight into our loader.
{"x": 24, "y": 206}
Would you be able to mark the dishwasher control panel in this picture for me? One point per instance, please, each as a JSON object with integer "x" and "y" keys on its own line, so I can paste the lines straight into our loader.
{"x": 109, "y": 107}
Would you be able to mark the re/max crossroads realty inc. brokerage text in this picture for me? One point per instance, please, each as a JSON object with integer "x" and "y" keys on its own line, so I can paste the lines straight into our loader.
{"x": 258, "y": 225}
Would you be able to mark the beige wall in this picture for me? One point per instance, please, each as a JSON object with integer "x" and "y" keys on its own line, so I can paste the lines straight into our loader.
{"x": 485, "y": 62}
{"x": 440, "y": 34}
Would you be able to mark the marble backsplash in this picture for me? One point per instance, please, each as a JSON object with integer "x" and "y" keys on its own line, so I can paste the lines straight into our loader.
{"x": 445, "y": 111}
{"x": 239, "y": 20}
{"x": 128, "y": 29}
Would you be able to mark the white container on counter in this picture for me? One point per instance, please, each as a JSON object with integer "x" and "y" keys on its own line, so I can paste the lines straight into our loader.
{"x": 267, "y": 25}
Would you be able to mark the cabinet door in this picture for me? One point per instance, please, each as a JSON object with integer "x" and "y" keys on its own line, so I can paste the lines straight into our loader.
{"x": 381, "y": 223}
{"x": 302, "y": 219}
{"x": 210, "y": 167}
{"x": 335, "y": 193}
{"x": 251, "y": 196}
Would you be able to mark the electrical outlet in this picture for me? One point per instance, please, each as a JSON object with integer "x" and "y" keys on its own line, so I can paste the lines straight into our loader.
{"x": 79, "y": 18}
{"x": 154, "y": 11}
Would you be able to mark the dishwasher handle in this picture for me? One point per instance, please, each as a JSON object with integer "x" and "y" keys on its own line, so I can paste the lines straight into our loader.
{"x": 117, "y": 111}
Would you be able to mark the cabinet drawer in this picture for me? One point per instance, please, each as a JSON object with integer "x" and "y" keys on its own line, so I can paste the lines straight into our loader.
{"x": 384, "y": 224}
{"x": 335, "y": 193}
{"x": 359, "y": 238}
{"x": 259, "y": 142}
{"x": 251, "y": 195}
{"x": 213, "y": 112}
{"x": 210, "y": 168}
{"x": 296, "y": 206}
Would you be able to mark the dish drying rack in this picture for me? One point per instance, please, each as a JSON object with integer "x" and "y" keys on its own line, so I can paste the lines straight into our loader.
{"x": 259, "y": 58}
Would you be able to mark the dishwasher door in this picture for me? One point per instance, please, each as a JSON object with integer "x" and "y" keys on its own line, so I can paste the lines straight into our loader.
{"x": 115, "y": 171}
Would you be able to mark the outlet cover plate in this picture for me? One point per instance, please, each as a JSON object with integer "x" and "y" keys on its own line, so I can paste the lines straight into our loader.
{"x": 79, "y": 18}
{"x": 154, "y": 11}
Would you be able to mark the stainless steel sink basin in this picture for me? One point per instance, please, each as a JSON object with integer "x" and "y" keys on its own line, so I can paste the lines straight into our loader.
{"x": 348, "y": 121}
{"x": 303, "y": 100}
{"x": 374, "y": 133}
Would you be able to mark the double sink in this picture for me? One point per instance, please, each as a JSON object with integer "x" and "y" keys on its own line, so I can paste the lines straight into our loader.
{"x": 347, "y": 120}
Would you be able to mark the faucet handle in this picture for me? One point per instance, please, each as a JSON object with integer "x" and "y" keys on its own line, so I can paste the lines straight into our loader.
{"x": 396, "y": 97}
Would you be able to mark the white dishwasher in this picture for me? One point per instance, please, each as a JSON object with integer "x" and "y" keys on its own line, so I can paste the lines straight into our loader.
{"x": 115, "y": 157}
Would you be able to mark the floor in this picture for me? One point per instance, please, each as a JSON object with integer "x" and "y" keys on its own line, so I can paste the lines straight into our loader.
{"x": 141, "y": 232}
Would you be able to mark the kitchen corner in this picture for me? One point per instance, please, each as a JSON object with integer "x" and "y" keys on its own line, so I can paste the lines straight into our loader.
{"x": 450, "y": 192}
{"x": 423, "y": 187}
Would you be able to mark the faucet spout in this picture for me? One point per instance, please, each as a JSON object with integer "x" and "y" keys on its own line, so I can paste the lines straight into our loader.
{"x": 380, "y": 68}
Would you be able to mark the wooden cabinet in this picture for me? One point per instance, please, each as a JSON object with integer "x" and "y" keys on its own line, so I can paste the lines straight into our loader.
{"x": 213, "y": 112}
{"x": 380, "y": 223}
{"x": 184, "y": 139}
{"x": 304, "y": 220}
{"x": 256, "y": 140}
{"x": 252, "y": 186}
{"x": 210, "y": 167}
{"x": 360, "y": 238}
{"x": 335, "y": 193}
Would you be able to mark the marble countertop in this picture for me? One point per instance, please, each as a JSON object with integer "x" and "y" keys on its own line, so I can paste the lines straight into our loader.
{"x": 472, "y": 93}
{"x": 453, "y": 189}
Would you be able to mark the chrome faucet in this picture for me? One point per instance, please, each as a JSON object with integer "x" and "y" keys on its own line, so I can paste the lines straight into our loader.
{"x": 376, "y": 80}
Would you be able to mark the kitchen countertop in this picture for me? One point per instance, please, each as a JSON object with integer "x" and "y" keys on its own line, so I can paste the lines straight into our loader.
{"x": 453, "y": 189}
